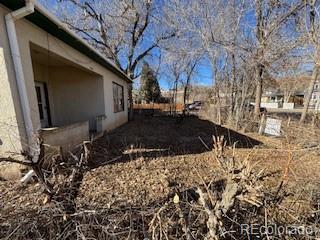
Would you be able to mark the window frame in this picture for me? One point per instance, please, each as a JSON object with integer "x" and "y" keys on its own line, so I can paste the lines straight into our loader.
{"x": 120, "y": 107}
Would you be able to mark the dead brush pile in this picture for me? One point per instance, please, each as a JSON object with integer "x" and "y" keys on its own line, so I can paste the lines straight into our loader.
{"x": 234, "y": 205}
{"x": 301, "y": 136}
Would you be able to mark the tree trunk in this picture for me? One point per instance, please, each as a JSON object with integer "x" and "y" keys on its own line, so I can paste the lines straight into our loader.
{"x": 216, "y": 85}
{"x": 218, "y": 106}
{"x": 286, "y": 97}
{"x": 259, "y": 72}
{"x": 175, "y": 96}
{"x": 232, "y": 97}
{"x": 259, "y": 67}
{"x": 185, "y": 95}
{"x": 314, "y": 76}
{"x": 130, "y": 115}
{"x": 186, "y": 89}
{"x": 307, "y": 99}
{"x": 239, "y": 102}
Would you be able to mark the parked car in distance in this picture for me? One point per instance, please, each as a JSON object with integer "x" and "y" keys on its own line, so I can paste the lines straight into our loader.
{"x": 196, "y": 105}
{"x": 250, "y": 107}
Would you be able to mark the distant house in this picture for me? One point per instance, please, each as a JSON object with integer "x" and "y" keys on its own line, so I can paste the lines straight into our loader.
{"x": 315, "y": 97}
{"x": 173, "y": 96}
{"x": 272, "y": 96}
{"x": 194, "y": 93}
{"x": 286, "y": 92}
{"x": 52, "y": 82}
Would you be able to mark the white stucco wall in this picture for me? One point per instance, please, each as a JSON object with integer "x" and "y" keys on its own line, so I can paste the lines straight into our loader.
{"x": 10, "y": 136}
{"x": 9, "y": 101}
{"x": 288, "y": 106}
{"x": 74, "y": 95}
{"x": 77, "y": 96}
{"x": 67, "y": 137}
{"x": 270, "y": 105}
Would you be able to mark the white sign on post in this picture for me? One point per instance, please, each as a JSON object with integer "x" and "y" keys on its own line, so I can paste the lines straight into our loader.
{"x": 273, "y": 127}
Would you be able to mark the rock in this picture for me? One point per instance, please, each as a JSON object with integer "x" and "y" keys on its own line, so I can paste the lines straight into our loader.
{"x": 11, "y": 171}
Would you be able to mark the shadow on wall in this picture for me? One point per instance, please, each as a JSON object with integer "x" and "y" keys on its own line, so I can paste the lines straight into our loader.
{"x": 162, "y": 136}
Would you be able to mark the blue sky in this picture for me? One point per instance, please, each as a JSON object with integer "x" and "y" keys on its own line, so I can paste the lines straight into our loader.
{"x": 202, "y": 77}
{"x": 203, "y": 74}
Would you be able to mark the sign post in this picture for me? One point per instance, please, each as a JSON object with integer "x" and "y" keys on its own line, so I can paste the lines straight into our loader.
{"x": 273, "y": 127}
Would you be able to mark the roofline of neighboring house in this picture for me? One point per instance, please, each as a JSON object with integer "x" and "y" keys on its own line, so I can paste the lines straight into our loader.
{"x": 52, "y": 25}
{"x": 297, "y": 93}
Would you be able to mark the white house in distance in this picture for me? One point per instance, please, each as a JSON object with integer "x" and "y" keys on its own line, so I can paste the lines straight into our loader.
{"x": 315, "y": 97}
{"x": 52, "y": 82}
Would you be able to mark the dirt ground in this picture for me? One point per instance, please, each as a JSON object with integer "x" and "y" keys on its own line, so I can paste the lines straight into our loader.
{"x": 151, "y": 137}
{"x": 147, "y": 161}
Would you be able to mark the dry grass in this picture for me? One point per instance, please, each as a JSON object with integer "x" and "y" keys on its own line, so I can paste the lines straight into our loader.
{"x": 128, "y": 192}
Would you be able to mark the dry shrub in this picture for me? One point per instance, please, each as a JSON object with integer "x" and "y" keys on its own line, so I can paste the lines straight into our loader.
{"x": 238, "y": 206}
{"x": 301, "y": 135}
{"x": 218, "y": 209}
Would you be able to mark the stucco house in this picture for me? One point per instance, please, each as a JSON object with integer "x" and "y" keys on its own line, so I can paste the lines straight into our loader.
{"x": 52, "y": 82}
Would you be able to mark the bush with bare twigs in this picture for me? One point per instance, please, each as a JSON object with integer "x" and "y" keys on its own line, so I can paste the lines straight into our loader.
{"x": 227, "y": 207}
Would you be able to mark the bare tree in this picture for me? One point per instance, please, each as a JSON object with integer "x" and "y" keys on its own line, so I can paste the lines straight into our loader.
{"x": 290, "y": 84}
{"x": 312, "y": 41}
{"x": 173, "y": 70}
{"x": 214, "y": 26}
{"x": 229, "y": 34}
{"x": 232, "y": 33}
{"x": 189, "y": 70}
{"x": 125, "y": 31}
{"x": 274, "y": 38}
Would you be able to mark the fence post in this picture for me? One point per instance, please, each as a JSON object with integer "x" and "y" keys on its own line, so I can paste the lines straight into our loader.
{"x": 262, "y": 123}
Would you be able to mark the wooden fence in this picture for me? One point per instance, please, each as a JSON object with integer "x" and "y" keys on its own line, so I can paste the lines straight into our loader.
{"x": 164, "y": 107}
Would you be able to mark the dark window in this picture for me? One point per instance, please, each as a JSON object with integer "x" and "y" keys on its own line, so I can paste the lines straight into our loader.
{"x": 118, "y": 98}
{"x": 38, "y": 90}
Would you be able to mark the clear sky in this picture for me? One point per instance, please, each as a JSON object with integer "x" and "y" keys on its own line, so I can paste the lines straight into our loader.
{"x": 203, "y": 75}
